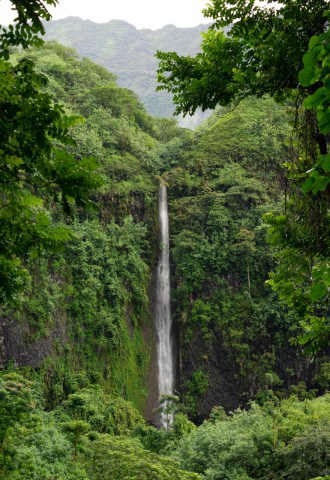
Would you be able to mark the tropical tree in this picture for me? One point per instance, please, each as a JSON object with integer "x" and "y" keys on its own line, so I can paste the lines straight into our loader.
{"x": 36, "y": 169}
{"x": 28, "y": 25}
{"x": 260, "y": 53}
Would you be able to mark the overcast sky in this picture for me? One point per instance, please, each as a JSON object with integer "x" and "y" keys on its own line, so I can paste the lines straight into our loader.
{"x": 140, "y": 13}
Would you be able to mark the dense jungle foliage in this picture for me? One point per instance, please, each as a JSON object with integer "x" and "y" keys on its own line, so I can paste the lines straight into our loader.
{"x": 90, "y": 299}
{"x": 221, "y": 193}
{"x": 93, "y": 436}
{"x": 283, "y": 51}
{"x": 81, "y": 162}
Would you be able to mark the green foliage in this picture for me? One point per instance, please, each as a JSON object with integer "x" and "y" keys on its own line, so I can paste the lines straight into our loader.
{"x": 122, "y": 458}
{"x": 307, "y": 453}
{"x": 37, "y": 445}
{"x": 226, "y": 70}
{"x": 42, "y": 452}
{"x": 316, "y": 72}
{"x": 290, "y": 440}
{"x": 322, "y": 378}
{"x": 268, "y": 442}
{"x": 18, "y": 400}
{"x": 94, "y": 297}
{"x": 36, "y": 168}
{"x": 105, "y": 292}
{"x": 227, "y": 180}
{"x": 32, "y": 446}
{"x": 253, "y": 134}
{"x": 122, "y": 417}
{"x": 88, "y": 303}
{"x": 198, "y": 383}
{"x": 194, "y": 388}
{"x": 165, "y": 440}
{"x": 182, "y": 426}
{"x": 155, "y": 439}
{"x": 261, "y": 53}
{"x": 116, "y": 123}
{"x": 28, "y": 27}
{"x": 302, "y": 275}
{"x": 41, "y": 445}
{"x": 316, "y": 69}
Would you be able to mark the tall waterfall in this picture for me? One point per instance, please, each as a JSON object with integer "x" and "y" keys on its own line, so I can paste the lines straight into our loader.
{"x": 163, "y": 310}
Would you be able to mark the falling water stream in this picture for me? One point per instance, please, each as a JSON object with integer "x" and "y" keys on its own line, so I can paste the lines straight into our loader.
{"x": 163, "y": 310}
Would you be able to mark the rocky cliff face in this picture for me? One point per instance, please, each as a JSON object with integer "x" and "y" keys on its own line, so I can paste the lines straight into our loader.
{"x": 223, "y": 387}
{"x": 226, "y": 386}
{"x": 19, "y": 347}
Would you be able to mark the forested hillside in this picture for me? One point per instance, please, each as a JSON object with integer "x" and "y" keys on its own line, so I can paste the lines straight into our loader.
{"x": 87, "y": 303}
{"x": 130, "y": 54}
{"x": 81, "y": 165}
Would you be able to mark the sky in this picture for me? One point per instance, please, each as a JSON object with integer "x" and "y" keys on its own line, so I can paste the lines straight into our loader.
{"x": 151, "y": 14}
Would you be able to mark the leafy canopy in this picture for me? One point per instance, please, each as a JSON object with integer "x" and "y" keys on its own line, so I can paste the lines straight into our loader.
{"x": 36, "y": 168}
{"x": 261, "y": 53}
{"x": 28, "y": 25}
{"x": 317, "y": 71}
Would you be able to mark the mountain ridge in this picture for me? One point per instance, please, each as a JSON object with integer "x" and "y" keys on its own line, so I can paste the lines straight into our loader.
{"x": 129, "y": 53}
{"x": 120, "y": 21}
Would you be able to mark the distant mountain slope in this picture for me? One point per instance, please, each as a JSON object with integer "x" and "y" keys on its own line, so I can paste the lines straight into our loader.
{"x": 129, "y": 53}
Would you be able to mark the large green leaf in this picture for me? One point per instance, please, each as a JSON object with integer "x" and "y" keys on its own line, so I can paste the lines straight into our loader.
{"x": 318, "y": 291}
{"x": 324, "y": 121}
{"x": 313, "y": 101}
{"x": 326, "y": 163}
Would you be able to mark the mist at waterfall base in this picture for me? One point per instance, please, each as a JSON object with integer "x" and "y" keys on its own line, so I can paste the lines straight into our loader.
{"x": 163, "y": 312}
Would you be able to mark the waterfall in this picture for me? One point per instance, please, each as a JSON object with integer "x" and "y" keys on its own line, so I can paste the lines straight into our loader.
{"x": 163, "y": 310}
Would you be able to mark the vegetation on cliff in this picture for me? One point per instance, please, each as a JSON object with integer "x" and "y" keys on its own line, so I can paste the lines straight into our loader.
{"x": 263, "y": 53}
{"x": 78, "y": 222}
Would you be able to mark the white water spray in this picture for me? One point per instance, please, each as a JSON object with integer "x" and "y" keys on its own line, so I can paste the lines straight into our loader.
{"x": 163, "y": 310}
